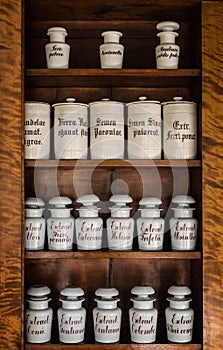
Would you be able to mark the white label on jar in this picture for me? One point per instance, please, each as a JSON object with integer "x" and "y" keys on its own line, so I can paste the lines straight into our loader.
{"x": 34, "y": 234}
{"x": 37, "y": 137}
{"x": 179, "y": 326}
{"x": 89, "y": 234}
{"x": 60, "y": 234}
{"x": 71, "y": 326}
{"x": 143, "y": 326}
{"x": 107, "y": 326}
{"x": 38, "y": 326}
{"x": 184, "y": 234}
{"x": 150, "y": 234}
{"x": 120, "y": 233}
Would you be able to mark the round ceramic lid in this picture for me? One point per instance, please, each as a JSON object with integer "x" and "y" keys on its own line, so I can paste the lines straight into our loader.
{"x": 180, "y": 291}
{"x": 177, "y": 100}
{"x": 38, "y": 290}
{"x": 88, "y": 199}
{"x": 60, "y": 202}
{"x": 111, "y": 36}
{"x": 143, "y": 99}
{"x": 142, "y": 290}
{"x": 106, "y": 292}
{"x": 150, "y": 201}
{"x": 120, "y": 199}
{"x": 34, "y": 202}
{"x": 70, "y": 101}
{"x": 182, "y": 200}
{"x": 105, "y": 100}
{"x": 59, "y": 30}
{"x": 168, "y": 26}
{"x": 36, "y": 102}
{"x": 72, "y": 292}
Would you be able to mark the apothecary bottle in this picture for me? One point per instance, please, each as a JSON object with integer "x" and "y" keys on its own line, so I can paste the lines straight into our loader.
{"x": 120, "y": 226}
{"x": 144, "y": 129}
{"x": 38, "y": 315}
{"x": 183, "y": 227}
{"x": 35, "y": 224}
{"x": 179, "y": 315}
{"x": 70, "y": 130}
{"x": 107, "y": 316}
{"x": 37, "y": 130}
{"x": 106, "y": 129}
{"x": 89, "y": 227}
{"x": 167, "y": 52}
{"x": 60, "y": 226}
{"x": 143, "y": 316}
{"x": 57, "y": 51}
{"x": 150, "y": 226}
{"x": 111, "y": 52}
{"x": 71, "y": 316}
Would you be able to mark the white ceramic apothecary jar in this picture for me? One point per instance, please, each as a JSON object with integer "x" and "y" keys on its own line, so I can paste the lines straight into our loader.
{"x": 35, "y": 224}
{"x": 107, "y": 316}
{"x": 57, "y": 51}
{"x": 183, "y": 227}
{"x": 89, "y": 226}
{"x": 38, "y": 315}
{"x": 144, "y": 129}
{"x": 107, "y": 129}
{"x": 179, "y": 129}
{"x": 167, "y": 52}
{"x": 150, "y": 226}
{"x": 143, "y": 316}
{"x": 70, "y": 130}
{"x": 179, "y": 315}
{"x": 111, "y": 52}
{"x": 120, "y": 226}
{"x": 37, "y": 130}
{"x": 60, "y": 226}
{"x": 71, "y": 316}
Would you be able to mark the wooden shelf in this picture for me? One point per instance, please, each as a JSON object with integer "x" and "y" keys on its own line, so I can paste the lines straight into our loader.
{"x": 111, "y": 163}
{"x": 109, "y": 77}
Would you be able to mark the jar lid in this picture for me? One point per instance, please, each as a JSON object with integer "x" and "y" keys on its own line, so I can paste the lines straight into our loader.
{"x": 143, "y": 291}
{"x": 106, "y": 293}
{"x": 70, "y": 101}
{"x": 38, "y": 290}
{"x": 106, "y": 101}
{"x": 88, "y": 199}
{"x": 167, "y": 26}
{"x": 60, "y": 202}
{"x": 183, "y": 201}
{"x": 34, "y": 202}
{"x": 179, "y": 291}
{"x": 177, "y": 100}
{"x": 120, "y": 209}
{"x": 57, "y": 30}
{"x": 150, "y": 202}
{"x": 111, "y": 36}
{"x": 72, "y": 293}
{"x": 120, "y": 199}
{"x": 143, "y": 99}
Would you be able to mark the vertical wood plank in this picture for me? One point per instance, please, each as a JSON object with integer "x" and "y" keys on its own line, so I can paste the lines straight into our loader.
{"x": 212, "y": 63}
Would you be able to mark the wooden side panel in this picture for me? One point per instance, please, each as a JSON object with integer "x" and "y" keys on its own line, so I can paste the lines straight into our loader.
{"x": 212, "y": 23}
{"x": 10, "y": 175}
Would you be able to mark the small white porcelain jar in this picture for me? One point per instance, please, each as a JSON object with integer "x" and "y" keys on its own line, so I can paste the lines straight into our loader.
{"x": 107, "y": 129}
{"x": 179, "y": 129}
{"x": 37, "y": 130}
{"x": 57, "y": 51}
{"x": 71, "y": 316}
{"x": 143, "y": 316}
{"x": 144, "y": 129}
{"x": 38, "y": 315}
{"x": 35, "y": 225}
{"x": 183, "y": 227}
{"x": 111, "y": 52}
{"x": 60, "y": 226}
{"x": 167, "y": 52}
{"x": 89, "y": 226}
{"x": 120, "y": 227}
{"x": 179, "y": 315}
{"x": 150, "y": 226}
{"x": 70, "y": 130}
{"x": 107, "y": 316}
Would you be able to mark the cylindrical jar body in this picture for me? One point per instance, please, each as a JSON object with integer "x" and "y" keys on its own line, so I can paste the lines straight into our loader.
{"x": 37, "y": 130}
{"x": 107, "y": 324}
{"x": 35, "y": 233}
{"x": 150, "y": 233}
{"x": 179, "y": 324}
{"x": 144, "y": 130}
{"x": 71, "y": 325}
{"x": 111, "y": 52}
{"x": 89, "y": 233}
{"x": 107, "y": 130}
{"x": 70, "y": 130}
{"x": 143, "y": 324}
{"x": 57, "y": 55}
{"x": 167, "y": 56}
{"x": 120, "y": 233}
{"x": 60, "y": 232}
{"x": 179, "y": 130}
{"x": 38, "y": 323}
{"x": 183, "y": 232}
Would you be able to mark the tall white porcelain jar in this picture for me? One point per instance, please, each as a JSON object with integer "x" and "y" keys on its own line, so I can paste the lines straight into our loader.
{"x": 183, "y": 227}
{"x": 167, "y": 52}
{"x": 111, "y": 52}
{"x": 144, "y": 129}
{"x": 38, "y": 315}
{"x": 89, "y": 226}
{"x": 70, "y": 130}
{"x": 106, "y": 129}
{"x": 107, "y": 316}
{"x": 179, "y": 315}
{"x": 37, "y": 130}
{"x": 57, "y": 51}
{"x": 120, "y": 226}
{"x": 35, "y": 225}
{"x": 71, "y": 316}
{"x": 150, "y": 226}
{"x": 60, "y": 226}
{"x": 143, "y": 316}
{"x": 179, "y": 129}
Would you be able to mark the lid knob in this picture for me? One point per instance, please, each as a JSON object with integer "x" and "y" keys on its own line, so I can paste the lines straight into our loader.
{"x": 70, "y": 99}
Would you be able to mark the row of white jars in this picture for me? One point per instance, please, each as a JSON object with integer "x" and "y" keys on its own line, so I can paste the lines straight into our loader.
{"x": 147, "y": 132}
{"x": 107, "y": 315}
{"x": 87, "y": 230}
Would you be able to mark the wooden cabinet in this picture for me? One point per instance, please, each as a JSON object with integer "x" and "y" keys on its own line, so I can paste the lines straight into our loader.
{"x": 195, "y": 80}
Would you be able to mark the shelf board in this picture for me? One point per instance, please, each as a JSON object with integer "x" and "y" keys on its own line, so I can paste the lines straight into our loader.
{"x": 195, "y": 255}
{"x": 91, "y": 77}
{"x": 111, "y": 163}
